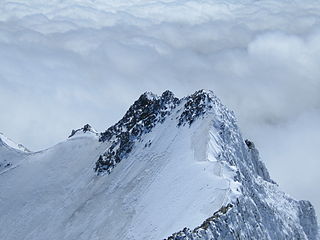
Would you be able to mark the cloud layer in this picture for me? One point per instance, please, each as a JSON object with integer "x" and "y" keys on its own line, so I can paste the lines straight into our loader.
{"x": 66, "y": 63}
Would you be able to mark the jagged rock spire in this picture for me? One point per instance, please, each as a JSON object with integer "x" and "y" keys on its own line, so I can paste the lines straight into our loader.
{"x": 141, "y": 117}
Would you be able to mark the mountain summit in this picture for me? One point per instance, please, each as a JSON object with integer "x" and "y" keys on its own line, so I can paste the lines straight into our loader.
{"x": 169, "y": 169}
{"x": 144, "y": 115}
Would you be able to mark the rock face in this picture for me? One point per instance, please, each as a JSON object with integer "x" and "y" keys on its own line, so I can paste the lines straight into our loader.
{"x": 141, "y": 117}
{"x": 169, "y": 169}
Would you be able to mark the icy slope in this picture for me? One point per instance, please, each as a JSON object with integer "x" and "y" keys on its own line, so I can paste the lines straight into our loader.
{"x": 11, "y": 153}
{"x": 167, "y": 165}
{"x": 11, "y": 144}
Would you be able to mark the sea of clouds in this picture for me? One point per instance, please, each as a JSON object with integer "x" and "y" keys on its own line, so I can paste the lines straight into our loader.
{"x": 67, "y": 63}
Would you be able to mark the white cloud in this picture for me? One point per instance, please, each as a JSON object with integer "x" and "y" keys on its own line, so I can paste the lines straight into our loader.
{"x": 66, "y": 63}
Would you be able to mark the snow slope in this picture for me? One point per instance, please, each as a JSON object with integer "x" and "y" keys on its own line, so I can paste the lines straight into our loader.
{"x": 10, "y": 153}
{"x": 179, "y": 172}
{"x": 11, "y": 144}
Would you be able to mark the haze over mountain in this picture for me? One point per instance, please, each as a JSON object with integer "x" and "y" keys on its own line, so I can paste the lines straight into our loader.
{"x": 169, "y": 169}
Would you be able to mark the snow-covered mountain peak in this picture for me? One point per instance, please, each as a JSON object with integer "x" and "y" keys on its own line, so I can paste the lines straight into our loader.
{"x": 4, "y": 140}
{"x": 216, "y": 140}
{"x": 150, "y": 96}
{"x": 170, "y": 166}
{"x": 141, "y": 118}
{"x": 143, "y": 115}
{"x": 199, "y": 104}
{"x": 85, "y": 130}
{"x": 149, "y": 111}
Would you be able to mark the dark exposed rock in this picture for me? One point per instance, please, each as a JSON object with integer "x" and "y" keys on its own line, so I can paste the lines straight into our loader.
{"x": 84, "y": 129}
{"x": 8, "y": 165}
{"x": 142, "y": 116}
{"x": 197, "y": 104}
{"x": 249, "y": 144}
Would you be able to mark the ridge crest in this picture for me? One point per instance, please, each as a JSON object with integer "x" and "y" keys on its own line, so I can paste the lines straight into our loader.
{"x": 145, "y": 113}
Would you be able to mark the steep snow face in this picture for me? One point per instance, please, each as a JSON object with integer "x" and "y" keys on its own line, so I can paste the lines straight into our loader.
{"x": 38, "y": 196}
{"x": 168, "y": 165}
{"x": 261, "y": 211}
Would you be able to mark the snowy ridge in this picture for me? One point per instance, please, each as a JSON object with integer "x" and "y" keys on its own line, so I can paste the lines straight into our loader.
{"x": 143, "y": 116}
{"x": 11, "y": 153}
{"x": 85, "y": 130}
{"x": 262, "y": 211}
{"x": 219, "y": 141}
{"x": 175, "y": 166}
{"x": 8, "y": 142}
